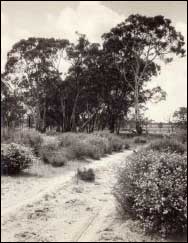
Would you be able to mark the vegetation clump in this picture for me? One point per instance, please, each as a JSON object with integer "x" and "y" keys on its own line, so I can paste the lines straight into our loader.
{"x": 86, "y": 175}
{"x": 15, "y": 158}
{"x": 152, "y": 187}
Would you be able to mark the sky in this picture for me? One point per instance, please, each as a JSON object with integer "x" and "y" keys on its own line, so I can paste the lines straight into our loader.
{"x": 61, "y": 19}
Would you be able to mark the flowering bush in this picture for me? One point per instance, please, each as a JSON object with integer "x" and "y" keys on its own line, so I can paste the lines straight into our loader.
{"x": 153, "y": 188}
{"x": 168, "y": 145}
{"x": 15, "y": 158}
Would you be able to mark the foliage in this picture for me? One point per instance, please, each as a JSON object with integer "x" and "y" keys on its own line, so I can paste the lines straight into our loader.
{"x": 116, "y": 142}
{"x": 29, "y": 137}
{"x": 15, "y": 158}
{"x": 135, "y": 45}
{"x": 140, "y": 140}
{"x": 12, "y": 108}
{"x": 152, "y": 187}
{"x": 167, "y": 145}
{"x": 86, "y": 174}
{"x": 180, "y": 117}
{"x": 181, "y": 136}
{"x": 81, "y": 146}
{"x": 102, "y": 82}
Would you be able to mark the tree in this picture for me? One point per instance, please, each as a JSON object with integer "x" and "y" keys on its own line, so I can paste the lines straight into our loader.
{"x": 180, "y": 117}
{"x": 136, "y": 44}
{"x": 12, "y": 108}
{"x": 32, "y": 67}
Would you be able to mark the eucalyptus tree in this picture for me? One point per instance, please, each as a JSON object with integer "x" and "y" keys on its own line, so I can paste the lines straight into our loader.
{"x": 138, "y": 45}
{"x": 33, "y": 67}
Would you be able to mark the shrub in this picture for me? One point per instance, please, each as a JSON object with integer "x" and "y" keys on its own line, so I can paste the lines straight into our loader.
{"x": 86, "y": 174}
{"x": 101, "y": 143}
{"x": 116, "y": 143}
{"x": 139, "y": 140}
{"x": 15, "y": 158}
{"x": 52, "y": 133}
{"x": 153, "y": 188}
{"x": 167, "y": 145}
{"x": 31, "y": 138}
{"x": 181, "y": 136}
{"x": 51, "y": 154}
{"x": 81, "y": 150}
{"x": 126, "y": 146}
{"x": 82, "y": 145}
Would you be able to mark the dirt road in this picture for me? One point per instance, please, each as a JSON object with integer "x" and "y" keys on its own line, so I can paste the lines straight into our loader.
{"x": 66, "y": 211}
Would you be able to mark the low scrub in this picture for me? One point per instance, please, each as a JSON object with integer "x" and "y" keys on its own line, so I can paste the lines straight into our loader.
{"x": 52, "y": 154}
{"x": 167, "y": 145}
{"x": 30, "y": 138}
{"x": 86, "y": 175}
{"x": 115, "y": 142}
{"x": 15, "y": 158}
{"x": 152, "y": 187}
{"x": 93, "y": 146}
{"x": 181, "y": 136}
{"x": 78, "y": 146}
{"x": 140, "y": 140}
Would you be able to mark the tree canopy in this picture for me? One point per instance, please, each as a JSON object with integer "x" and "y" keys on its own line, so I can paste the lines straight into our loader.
{"x": 102, "y": 82}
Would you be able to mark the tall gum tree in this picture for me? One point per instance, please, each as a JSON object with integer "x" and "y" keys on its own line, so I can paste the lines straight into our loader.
{"x": 32, "y": 67}
{"x": 138, "y": 46}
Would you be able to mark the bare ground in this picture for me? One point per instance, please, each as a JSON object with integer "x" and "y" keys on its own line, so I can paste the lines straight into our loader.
{"x": 62, "y": 209}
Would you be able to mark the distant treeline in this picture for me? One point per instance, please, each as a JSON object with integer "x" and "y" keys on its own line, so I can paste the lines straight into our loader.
{"x": 103, "y": 81}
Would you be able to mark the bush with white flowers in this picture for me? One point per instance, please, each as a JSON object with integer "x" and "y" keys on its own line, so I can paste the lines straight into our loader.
{"x": 152, "y": 187}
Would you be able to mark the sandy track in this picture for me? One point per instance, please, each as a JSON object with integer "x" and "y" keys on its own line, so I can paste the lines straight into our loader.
{"x": 67, "y": 211}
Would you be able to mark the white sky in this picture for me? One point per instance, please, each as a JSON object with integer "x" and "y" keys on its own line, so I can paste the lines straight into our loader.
{"x": 61, "y": 19}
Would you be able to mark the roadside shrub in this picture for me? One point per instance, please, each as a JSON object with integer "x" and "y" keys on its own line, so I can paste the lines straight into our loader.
{"x": 82, "y": 145}
{"x": 101, "y": 143}
{"x": 152, "y": 187}
{"x": 96, "y": 145}
{"x": 86, "y": 174}
{"x": 126, "y": 146}
{"x": 140, "y": 140}
{"x": 116, "y": 143}
{"x": 80, "y": 150}
{"x": 167, "y": 145}
{"x": 15, "y": 158}
{"x": 51, "y": 154}
{"x": 31, "y": 138}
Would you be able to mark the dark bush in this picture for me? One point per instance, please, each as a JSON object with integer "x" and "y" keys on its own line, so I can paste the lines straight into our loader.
{"x": 15, "y": 158}
{"x": 152, "y": 187}
{"x": 86, "y": 174}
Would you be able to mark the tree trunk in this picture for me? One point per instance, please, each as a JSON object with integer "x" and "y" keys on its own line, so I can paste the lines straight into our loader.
{"x": 43, "y": 127}
{"x": 137, "y": 118}
{"x": 112, "y": 123}
{"x": 63, "y": 124}
{"x": 73, "y": 116}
